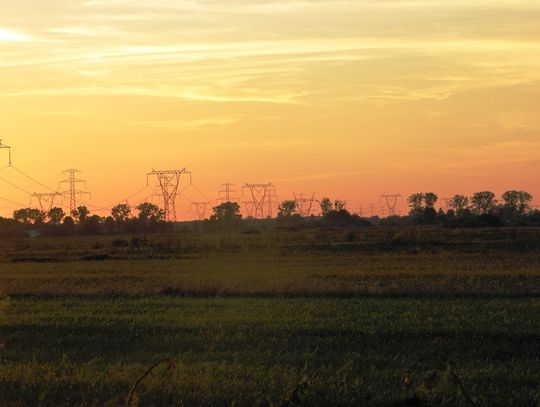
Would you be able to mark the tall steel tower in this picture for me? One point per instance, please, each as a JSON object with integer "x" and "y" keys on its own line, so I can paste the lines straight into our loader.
{"x": 169, "y": 181}
{"x": 73, "y": 192}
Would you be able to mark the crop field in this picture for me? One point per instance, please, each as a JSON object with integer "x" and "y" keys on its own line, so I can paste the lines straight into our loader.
{"x": 376, "y": 316}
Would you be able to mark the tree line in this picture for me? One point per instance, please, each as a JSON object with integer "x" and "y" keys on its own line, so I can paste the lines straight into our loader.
{"x": 148, "y": 218}
{"x": 481, "y": 209}
{"x": 513, "y": 208}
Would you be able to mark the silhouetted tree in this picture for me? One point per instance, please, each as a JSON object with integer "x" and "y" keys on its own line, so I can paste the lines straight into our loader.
{"x": 326, "y": 206}
{"x": 151, "y": 213}
{"x": 459, "y": 203}
{"x": 56, "y": 215}
{"x": 37, "y": 216}
{"x": 416, "y": 203}
{"x": 339, "y": 218}
{"x": 110, "y": 225}
{"x": 339, "y": 205}
{"x": 227, "y": 212}
{"x": 92, "y": 225}
{"x": 80, "y": 214}
{"x": 430, "y": 215}
{"x": 29, "y": 216}
{"x": 121, "y": 213}
{"x": 21, "y": 215}
{"x": 430, "y": 199}
{"x": 483, "y": 202}
{"x": 68, "y": 224}
{"x": 287, "y": 208}
{"x": 517, "y": 201}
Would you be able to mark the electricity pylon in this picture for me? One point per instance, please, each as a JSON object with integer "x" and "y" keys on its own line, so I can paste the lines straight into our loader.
{"x": 261, "y": 198}
{"x": 45, "y": 199}
{"x": 169, "y": 181}
{"x": 73, "y": 192}
{"x": 304, "y": 206}
{"x": 2, "y": 145}
{"x": 227, "y": 194}
{"x": 391, "y": 202}
{"x": 248, "y": 206}
{"x": 201, "y": 208}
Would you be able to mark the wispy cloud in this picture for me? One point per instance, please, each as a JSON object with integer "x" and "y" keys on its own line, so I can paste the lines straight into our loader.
{"x": 13, "y": 36}
{"x": 171, "y": 93}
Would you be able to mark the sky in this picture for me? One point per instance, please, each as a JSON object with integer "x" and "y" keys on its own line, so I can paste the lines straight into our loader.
{"x": 347, "y": 99}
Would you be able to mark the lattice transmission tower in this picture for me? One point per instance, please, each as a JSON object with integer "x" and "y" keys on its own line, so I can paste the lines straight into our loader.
{"x": 169, "y": 182}
{"x": 201, "y": 208}
{"x": 248, "y": 207}
{"x": 391, "y": 201}
{"x": 261, "y": 198}
{"x": 3, "y": 146}
{"x": 73, "y": 192}
{"x": 304, "y": 206}
{"x": 227, "y": 194}
{"x": 45, "y": 199}
{"x": 372, "y": 210}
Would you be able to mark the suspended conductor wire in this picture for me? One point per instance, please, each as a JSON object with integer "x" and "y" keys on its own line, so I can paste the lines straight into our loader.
{"x": 189, "y": 210}
{"x": 12, "y": 202}
{"x": 15, "y": 186}
{"x": 184, "y": 195}
{"x": 136, "y": 193}
{"x": 95, "y": 206}
{"x": 105, "y": 200}
{"x": 144, "y": 199}
{"x": 33, "y": 179}
{"x": 199, "y": 191}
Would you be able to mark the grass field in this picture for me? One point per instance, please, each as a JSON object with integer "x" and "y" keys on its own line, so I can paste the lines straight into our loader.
{"x": 329, "y": 317}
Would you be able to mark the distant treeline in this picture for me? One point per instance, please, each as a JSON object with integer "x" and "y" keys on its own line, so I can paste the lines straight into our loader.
{"x": 482, "y": 209}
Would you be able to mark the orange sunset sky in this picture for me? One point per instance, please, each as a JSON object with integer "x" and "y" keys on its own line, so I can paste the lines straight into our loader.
{"x": 348, "y": 99}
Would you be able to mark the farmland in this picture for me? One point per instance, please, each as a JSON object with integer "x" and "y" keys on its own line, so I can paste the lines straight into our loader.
{"x": 377, "y": 316}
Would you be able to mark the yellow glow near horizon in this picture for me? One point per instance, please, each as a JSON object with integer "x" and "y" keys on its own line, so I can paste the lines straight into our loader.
{"x": 349, "y": 99}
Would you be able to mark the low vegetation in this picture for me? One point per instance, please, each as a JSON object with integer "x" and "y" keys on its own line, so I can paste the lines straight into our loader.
{"x": 354, "y": 315}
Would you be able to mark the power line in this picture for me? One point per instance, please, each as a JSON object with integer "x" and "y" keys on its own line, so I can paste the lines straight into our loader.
{"x": 261, "y": 198}
{"x": 144, "y": 199}
{"x": 169, "y": 181}
{"x": 136, "y": 193}
{"x": 45, "y": 199}
{"x": 304, "y": 206}
{"x": 15, "y": 186}
{"x": 227, "y": 194}
{"x": 73, "y": 192}
{"x": 391, "y": 201}
{"x": 102, "y": 208}
{"x": 199, "y": 191}
{"x": 3, "y": 146}
{"x": 201, "y": 208}
{"x": 12, "y": 202}
{"x": 32, "y": 179}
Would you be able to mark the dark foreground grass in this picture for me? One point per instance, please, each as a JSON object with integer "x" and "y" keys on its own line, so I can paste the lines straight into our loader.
{"x": 381, "y": 317}
{"x": 501, "y": 274}
{"x": 316, "y": 351}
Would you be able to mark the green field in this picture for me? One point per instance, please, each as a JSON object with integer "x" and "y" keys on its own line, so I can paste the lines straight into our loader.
{"x": 319, "y": 317}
